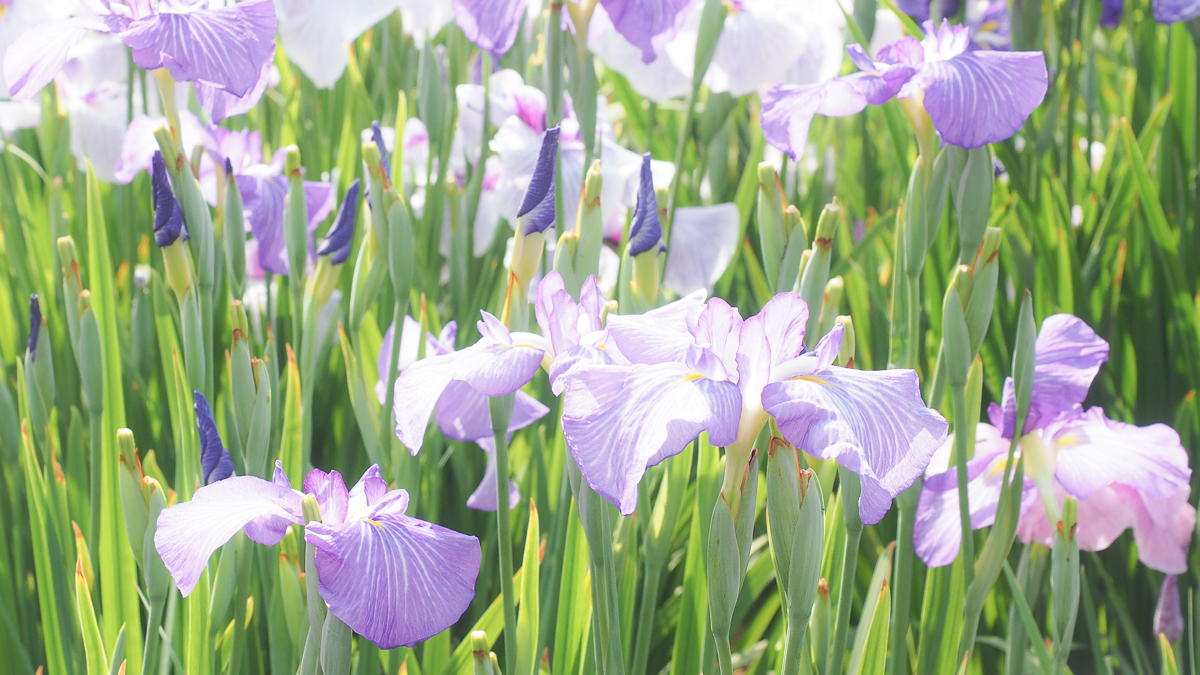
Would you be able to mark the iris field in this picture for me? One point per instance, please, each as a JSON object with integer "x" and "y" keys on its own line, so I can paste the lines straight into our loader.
{"x": 611, "y": 336}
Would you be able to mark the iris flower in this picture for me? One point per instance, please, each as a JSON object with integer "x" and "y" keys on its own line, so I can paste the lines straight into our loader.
{"x": 392, "y": 578}
{"x": 224, "y": 51}
{"x": 692, "y": 366}
{"x": 461, "y": 411}
{"x": 1123, "y": 475}
{"x": 973, "y": 97}
{"x": 264, "y": 189}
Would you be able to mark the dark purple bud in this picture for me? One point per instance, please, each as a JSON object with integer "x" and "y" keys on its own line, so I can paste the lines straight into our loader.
{"x": 35, "y": 324}
{"x": 1111, "y": 16}
{"x": 377, "y": 136}
{"x": 228, "y": 168}
{"x": 645, "y": 231}
{"x": 539, "y": 196}
{"x": 168, "y": 218}
{"x": 336, "y": 243}
{"x": 215, "y": 463}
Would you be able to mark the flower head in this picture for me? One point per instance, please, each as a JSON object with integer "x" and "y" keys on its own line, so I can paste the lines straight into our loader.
{"x": 538, "y": 202}
{"x": 392, "y": 578}
{"x": 168, "y": 218}
{"x": 215, "y": 462}
{"x": 264, "y": 189}
{"x": 1123, "y": 475}
{"x": 645, "y": 232}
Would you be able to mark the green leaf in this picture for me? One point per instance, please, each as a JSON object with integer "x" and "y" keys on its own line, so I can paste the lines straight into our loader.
{"x": 527, "y": 622}
{"x": 574, "y": 600}
{"x": 291, "y": 445}
{"x": 874, "y": 654}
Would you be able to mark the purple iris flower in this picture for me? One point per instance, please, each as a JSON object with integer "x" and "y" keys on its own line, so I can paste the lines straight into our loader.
{"x": 264, "y": 189}
{"x": 1172, "y": 11}
{"x": 693, "y": 366}
{"x": 168, "y": 217}
{"x": 973, "y": 97}
{"x": 337, "y": 241}
{"x": 491, "y": 24}
{"x": 392, "y": 578}
{"x": 991, "y": 27}
{"x": 223, "y": 50}
{"x": 919, "y": 9}
{"x": 1123, "y": 475}
{"x": 215, "y": 463}
{"x": 645, "y": 232}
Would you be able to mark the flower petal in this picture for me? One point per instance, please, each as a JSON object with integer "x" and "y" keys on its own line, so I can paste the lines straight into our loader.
{"x": 189, "y": 532}
{"x": 222, "y": 105}
{"x": 317, "y": 33}
{"x": 873, "y": 422}
{"x": 463, "y": 415}
{"x": 658, "y": 81}
{"x": 1168, "y": 619}
{"x": 394, "y": 579}
{"x": 332, "y": 496}
{"x": 35, "y": 58}
{"x": 983, "y": 97}
{"x": 1163, "y": 529}
{"x": 489, "y": 369}
{"x": 491, "y": 24}
{"x": 1172, "y": 11}
{"x": 215, "y": 463}
{"x": 484, "y": 496}
{"x": 619, "y": 420}
{"x": 658, "y": 336}
{"x": 1094, "y": 451}
{"x": 788, "y": 109}
{"x": 703, "y": 241}
{"x": 640, "y": 20}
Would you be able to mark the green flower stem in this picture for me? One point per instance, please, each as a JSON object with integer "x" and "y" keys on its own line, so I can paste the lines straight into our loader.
{"x": 501, "y": 408}
{"x": 958, "y": 397}
{"x": 849, "y": 502}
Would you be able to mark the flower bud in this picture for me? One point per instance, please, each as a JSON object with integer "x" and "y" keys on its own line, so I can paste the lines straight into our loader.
{"x": 337, "y": 242}
{"x": 772, "y": 231}
{"x": 235, "y": 234}
{"x": 312, "y": 510}
{"x": 589, "y": 225}
{"x": 846, "y": 355}
{"x": 137, "y": 510}
{"x": 295, "y": 215}
{"x": 1168, "y": 619}
{"x": 335, "y": 646}
{"x": 39, "y": 370}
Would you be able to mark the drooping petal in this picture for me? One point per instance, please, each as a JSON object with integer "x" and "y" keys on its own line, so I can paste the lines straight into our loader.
{"x": 215, "y": 463}
{"x": 1094, "y": 451}
{"x": 410, "y": 345}
{"x": 35, "y": 58}
{"x": 462, "y": 413}
{"x": 703, "y": 241}
{"x": 1069, "y": 354}
{"x": 873, "y": 422}
{"x": 422, "y": 18}
{"x": 983, "y": 97}
{"x": 619, "y": 420}
{"x": 1102, "y": 518}
{"x": 758, "y": 44}
{"x": 640, "y": 20}
{"x": 224, "y": 47}
{"x": 484, "y": 496}
{"x": 394, "y": 579}
{"x": 222, "y": 104}
{"x": 317, "y": 34}
{"x": 489, "y": 368}
{"x": 788, "y": 109}
{"x": 189, "y": 532}
{"x": 491, "y": 24}
{"x": 1172, "y": 11}
{"x": 1163, "y": 529}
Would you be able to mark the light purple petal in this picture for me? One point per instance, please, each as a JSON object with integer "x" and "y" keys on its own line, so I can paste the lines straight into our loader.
{"x": 223, "y": 47}
{"x": 1163, "y": 529}
{"x": 489, "y": 368}
{"x": 873, "y": 422}
{"x": 937, "y": 533}
{"x": 1102, "y": 518}
{"x": 983, "y": 97}
{"x": 1069, "y": 354}
{"x": 619, "y": 420}
{"x": 703, "y": 241}
{"x": 491, "y": 24}
{"x": 560, "y": 371}
{"x": 317, "y": 33}
{"x": 394, "y": 579}
{"x": 788, "y": 109}
{"x": 1172, "y": 11}
{"x": 1094, "y": 451}
{"x": 484, "y": 496}
{"x": 410, "y": 346}
{"x": 462, "y": 413}
{"x": 332, "y": 496}
{"x": 658, "y": 81}
{"x": 768, "y": 339}
{"x": 658, "y": 336}
{"x": 640, "y": 20}
{"x": 139, "y": 144}
{"x": 189, "y": 532}
{"x": 222, "y": 105}
{"x": 35, "y": 58}
{"x": 369, "y": 491}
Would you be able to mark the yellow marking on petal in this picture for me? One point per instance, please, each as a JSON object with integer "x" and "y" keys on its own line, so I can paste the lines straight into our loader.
{"x": 693, "y": 376}
{"x": 814, "y": 379}
{"x": 988, "y": 26}
{"x": 374, "y": 522}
